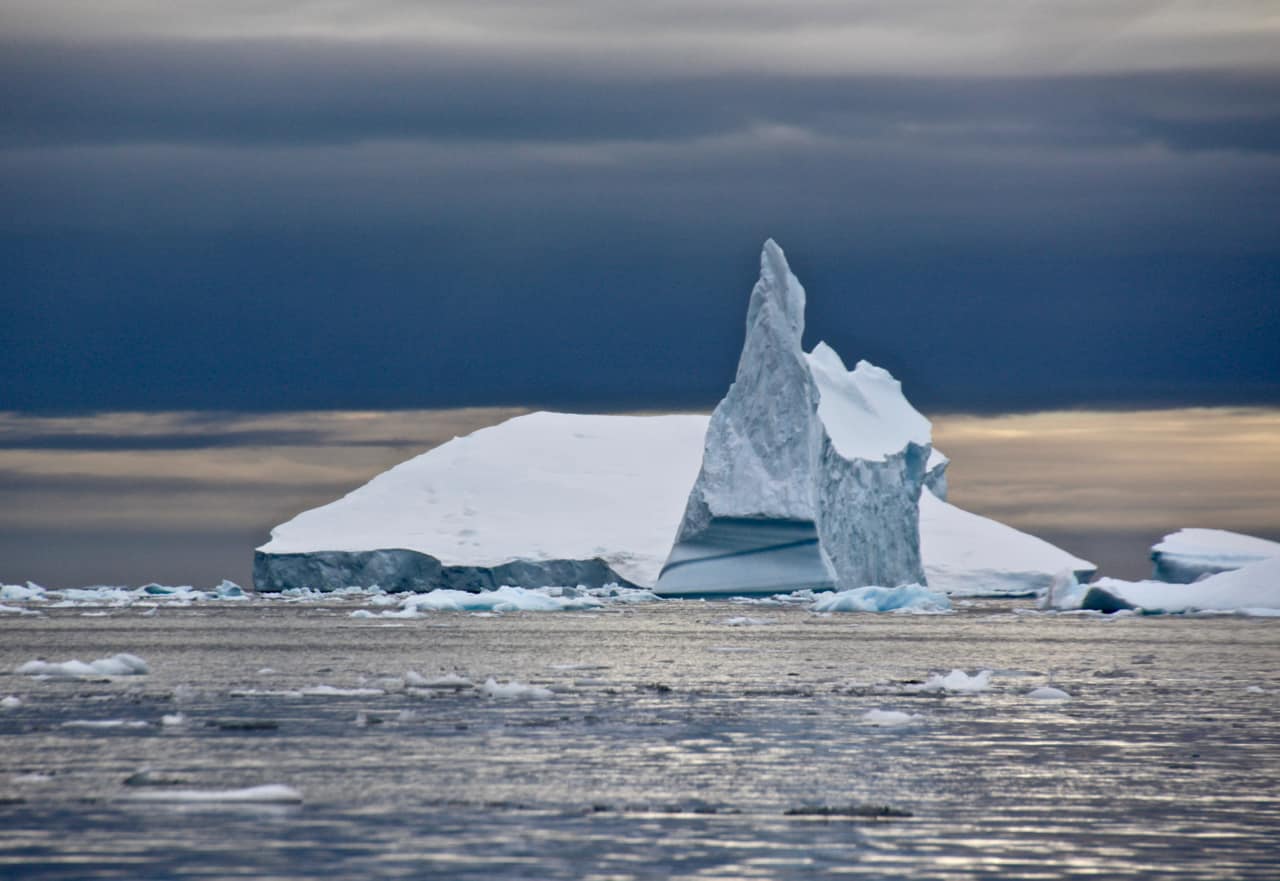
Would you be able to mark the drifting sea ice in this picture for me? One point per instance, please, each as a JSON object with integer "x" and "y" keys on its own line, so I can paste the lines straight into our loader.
{"x": 908, "y": 598}
{"x": 117, "y": 665}
{"x": 106, "y": 723}
{"x": 274, "y": 793}
{"x": 513, "y": 690}
{"x": 889, "y": 718}
{"x": 11, "y": 702}
{"x": 956, "y": 682}
{"x": 1048, "y": 693}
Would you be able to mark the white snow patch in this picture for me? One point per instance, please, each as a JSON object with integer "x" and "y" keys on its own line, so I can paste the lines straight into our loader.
{"x": 863, "y": 410}
{"x": 513, "y": 690}
{"x": 275, "y": 793}
{"x": 117, "y": 665}
{"x": 908, "y": 598}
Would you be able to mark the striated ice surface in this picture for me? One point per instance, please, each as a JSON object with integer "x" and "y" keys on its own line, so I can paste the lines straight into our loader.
{"x": 935, "y": 473}
{"x": 827, "y": 463}
{"x": 1184, "y": 556}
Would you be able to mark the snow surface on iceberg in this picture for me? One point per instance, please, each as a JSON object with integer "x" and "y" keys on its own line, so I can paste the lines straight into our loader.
{"x": 1189, "y": 554}
{"x": 966, "y": 554}
{"x": 811, "y": 472}
{"x": 1253, "y": 589}
{"x": 543, "y": 499}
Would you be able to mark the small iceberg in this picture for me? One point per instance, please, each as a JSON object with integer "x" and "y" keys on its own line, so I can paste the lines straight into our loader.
{"x": 1048, "y": 693}
{"x": 908, "y": 598}
{"x": 1251, "y": 590}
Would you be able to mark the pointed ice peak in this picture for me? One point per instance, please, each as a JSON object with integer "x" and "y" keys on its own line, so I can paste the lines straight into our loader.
{"x": 863, "y": 410}
{"x": 777, "y": 288}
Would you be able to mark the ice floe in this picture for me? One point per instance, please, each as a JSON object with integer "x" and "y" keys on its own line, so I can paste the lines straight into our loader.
{"x": 10, "y": 702}
{"x": 274, "y": 793}
{"x": 908, "y": 598}
{"x": 106, "y": 723}
{"x": 956, "y": 682}
{"x": 513, "y": 690}
{"x": 889, "y": 718}
{"x": 1048, "y": 693}
{"x": 117, "y": 665}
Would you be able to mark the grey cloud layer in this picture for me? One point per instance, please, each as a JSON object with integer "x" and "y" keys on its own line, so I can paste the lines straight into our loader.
{"x": 306, "y": 93}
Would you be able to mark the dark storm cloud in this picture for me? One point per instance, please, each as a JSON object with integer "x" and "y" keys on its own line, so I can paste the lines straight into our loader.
{"x": 255, "y": 93}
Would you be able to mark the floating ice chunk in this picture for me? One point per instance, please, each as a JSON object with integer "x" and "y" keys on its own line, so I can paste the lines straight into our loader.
{"x": 16, "y": 610}
{"x": 449, "y": 680}
{"x": 229, "y": 590}
{"x": 172, "y": 720}
{"x": 889, "y": 718}
{"x": 908, "y": 598}
{"x": 106, "y": 723}
{"x": 513, "y": 690}
{"x": 1251, "y": 590}
{"x": 1048, "y": 693}
{"x": 745, "y": 621}
{"x": 270, "y": 794}
{"x": 33, "y": 777}
{"x": 1188, "y": 555}
{"x": 18, "y": 592}
{"x": 11, "y": 702}
{"x": 332, "y": 691}
{"x": 1256, "y": 689}
{"x": 504, "y": 599}
{"x": 957, "y": 682}
{"x": 117, "y": 665}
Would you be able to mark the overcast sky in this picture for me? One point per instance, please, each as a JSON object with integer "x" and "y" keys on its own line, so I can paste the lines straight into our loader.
{"x": 231, "y": 218}
{"x": 283, "y": 205}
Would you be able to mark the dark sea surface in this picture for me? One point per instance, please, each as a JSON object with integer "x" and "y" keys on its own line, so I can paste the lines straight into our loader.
{"x": 674, "y": 744}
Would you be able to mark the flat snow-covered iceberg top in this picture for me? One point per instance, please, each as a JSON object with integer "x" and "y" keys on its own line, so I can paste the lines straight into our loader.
{"x": 546, "y": 486}
{"x": 966, "y": 554}
{"x": 1253, "y": 589}
{"x": 1189, "y": 554}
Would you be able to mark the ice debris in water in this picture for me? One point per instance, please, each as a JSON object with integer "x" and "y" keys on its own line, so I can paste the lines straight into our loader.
{"x": 11, "y": 702}
{"x": 889, "y": 718}
{"x": 16, "y": 610}
{"x": 908, "y": 598}
{"x": 105, "y": 723}
{"x": 511, "y": 690}
{"x": 270, "y": 794}
{"x": 1048, "y": 693}
{"x": 30, "y": 592}
{"x": 117, "y": 665}
{"x": 956, "y": 682}
{"x": 745, "y": 621}
{"x": 171, "y": 720}
{"x": 512, "y": 599}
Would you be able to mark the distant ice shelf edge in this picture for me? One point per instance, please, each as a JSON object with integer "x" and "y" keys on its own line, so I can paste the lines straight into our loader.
{"x": 807, "y": 475}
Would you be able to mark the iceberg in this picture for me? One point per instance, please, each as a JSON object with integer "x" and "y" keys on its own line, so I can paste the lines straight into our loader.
{"x": 966, "y": 554}
{"x": 1189, "y": 554}
{"x": 540, "y": 500}
{"x": 1252, "y": 589}
{"x": 811, "y": 473}
{"x": 935, "y": 473}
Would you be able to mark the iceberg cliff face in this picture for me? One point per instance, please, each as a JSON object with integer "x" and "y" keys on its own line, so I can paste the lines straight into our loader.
{"x": 811, "y": 473}
{"x": 1190, "y": 554}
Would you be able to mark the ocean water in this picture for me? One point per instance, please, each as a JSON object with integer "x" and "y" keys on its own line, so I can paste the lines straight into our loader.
{"x": 679, "y": 740}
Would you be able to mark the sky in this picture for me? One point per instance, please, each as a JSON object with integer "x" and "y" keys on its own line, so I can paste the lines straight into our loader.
{"x": 245, "y": 212}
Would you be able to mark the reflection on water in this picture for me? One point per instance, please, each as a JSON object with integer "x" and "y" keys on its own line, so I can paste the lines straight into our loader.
{"x": 659, "y": 754}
